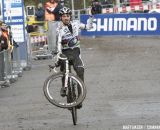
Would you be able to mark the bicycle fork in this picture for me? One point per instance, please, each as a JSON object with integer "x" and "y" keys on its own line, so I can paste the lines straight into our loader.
{"x": 66, "y": 74}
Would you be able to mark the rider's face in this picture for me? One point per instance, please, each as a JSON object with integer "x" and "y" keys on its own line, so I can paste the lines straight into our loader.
{"x": 66, "y": 18}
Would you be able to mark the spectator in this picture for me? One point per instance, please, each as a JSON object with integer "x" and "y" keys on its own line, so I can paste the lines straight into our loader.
{"x": 52, "y": 10}
{"x": 124, "y": 2}
{"x": 49, "y": 10}
{"x": 31, "y": 28}
{"x": 56, "y": 11}
{"x": 40, "y": 17}
{"x": 39, "y": 12}
{"x": 3, "y": 39}
{"x": 3, "y": 46}
{"x": 51, "y": 15}
{"x": 96, "y": 7}
{"x": 107, "y": 4}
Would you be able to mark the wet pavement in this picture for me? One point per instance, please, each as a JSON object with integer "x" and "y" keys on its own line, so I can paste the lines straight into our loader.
{"x": 122, "y": 76}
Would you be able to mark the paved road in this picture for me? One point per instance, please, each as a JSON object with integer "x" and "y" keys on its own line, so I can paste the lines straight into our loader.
{"x": 122, "y": 76}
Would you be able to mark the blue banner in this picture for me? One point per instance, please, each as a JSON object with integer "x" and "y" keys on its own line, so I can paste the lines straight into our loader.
{"x": 123, "y": 24}
{"x": 13, "y": 15}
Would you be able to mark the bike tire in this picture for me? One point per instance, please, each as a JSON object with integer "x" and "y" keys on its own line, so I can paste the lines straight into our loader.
{"x": 70, "y": 98}
{"x": 61, "y": 104}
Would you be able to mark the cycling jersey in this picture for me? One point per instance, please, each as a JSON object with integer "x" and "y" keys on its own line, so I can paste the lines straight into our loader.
{"x": 70, "y": 39}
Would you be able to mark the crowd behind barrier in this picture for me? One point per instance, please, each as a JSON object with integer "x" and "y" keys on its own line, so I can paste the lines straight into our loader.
{"x": 10, "y": 66}
{"x": 130, "y": 7}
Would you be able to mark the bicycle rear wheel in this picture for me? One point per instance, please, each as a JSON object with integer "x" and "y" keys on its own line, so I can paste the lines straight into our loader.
{"x": 52, "y": 86}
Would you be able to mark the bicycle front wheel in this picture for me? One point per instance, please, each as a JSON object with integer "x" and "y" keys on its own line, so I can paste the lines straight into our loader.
{"x": 74, "y": 115}
{"x": 52, "y": 86}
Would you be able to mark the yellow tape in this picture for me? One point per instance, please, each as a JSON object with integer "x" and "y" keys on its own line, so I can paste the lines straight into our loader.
{"x": 37, "y": 34}
{"x": 34, "y": 22}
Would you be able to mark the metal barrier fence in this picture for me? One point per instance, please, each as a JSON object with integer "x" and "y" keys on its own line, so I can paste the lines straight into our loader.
{"x": 10, "y": 67}
{"x": 76, "y": 13}
{"x": 38, "y": 46}
{"x": 51, "y": 35}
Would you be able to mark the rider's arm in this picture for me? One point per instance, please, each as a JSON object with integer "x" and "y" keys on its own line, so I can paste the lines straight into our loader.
{"x": 89, "y": 24}
{"x": 59, "y": 40}
{"x": 59, "y": 47}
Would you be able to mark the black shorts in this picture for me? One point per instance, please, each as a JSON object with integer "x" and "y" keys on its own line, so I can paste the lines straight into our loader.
{"x": 74, "y": 57}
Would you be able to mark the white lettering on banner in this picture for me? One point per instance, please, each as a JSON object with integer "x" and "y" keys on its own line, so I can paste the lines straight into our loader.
{"x": 132, "y": 24}
{"x": 17, "y": 20}
{"x": 152, "y": 21}
{"x": 100, "y": 26}
{"x": 123, "y": 24}
{"x": 119, "y": 24}
{"x": 140, "y": 21}
{"x": 110, "y": 24}
{"x": 16, "y": 1}
{"x": 18, "y": 34}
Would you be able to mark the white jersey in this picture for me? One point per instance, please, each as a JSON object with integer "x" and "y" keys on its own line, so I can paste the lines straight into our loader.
{"x": 68, "y": 39}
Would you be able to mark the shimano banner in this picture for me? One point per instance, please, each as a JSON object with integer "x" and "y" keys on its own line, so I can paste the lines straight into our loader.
{"x": 123, "y": 24}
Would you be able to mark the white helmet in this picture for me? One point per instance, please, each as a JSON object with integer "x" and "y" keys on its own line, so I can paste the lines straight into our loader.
{"x": 65, "y": 10}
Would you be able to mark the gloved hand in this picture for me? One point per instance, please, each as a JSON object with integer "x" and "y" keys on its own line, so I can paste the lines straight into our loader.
{"x": 61, "y": 56}
{"x": 54, "y": 52}
{"x": 90, "y": 22}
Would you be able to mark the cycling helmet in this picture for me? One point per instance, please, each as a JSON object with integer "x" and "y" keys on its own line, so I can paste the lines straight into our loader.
{"x": 65, "y": 10}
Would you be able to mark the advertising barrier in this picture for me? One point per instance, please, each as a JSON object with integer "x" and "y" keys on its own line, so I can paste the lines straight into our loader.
{"x": 13, "y": 15}
{"x": 123, "y": 24}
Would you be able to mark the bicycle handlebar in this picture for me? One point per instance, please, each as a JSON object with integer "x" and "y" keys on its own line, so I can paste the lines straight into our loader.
{"x": 61, "y": 56}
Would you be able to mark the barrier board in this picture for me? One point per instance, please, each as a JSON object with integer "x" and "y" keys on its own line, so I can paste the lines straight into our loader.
{"x": 123, "y": 24}
{"x": 13, "y": 14}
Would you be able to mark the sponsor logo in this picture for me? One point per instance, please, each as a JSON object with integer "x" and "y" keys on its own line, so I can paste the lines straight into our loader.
{"x": 125, "y": 24}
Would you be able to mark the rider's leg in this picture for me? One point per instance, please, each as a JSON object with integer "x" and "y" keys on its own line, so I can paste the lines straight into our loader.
{"x": 75, "y": 59}
{"x": 78, "y": 64}
{"x": 80, "y": 73}
{"x": 79, "y": 68}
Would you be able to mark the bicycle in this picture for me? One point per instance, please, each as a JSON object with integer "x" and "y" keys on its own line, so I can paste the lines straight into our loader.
{"x": 73, "y": 85}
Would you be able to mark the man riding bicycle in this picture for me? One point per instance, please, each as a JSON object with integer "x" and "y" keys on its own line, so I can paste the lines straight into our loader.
{"x": 68, "y": 42}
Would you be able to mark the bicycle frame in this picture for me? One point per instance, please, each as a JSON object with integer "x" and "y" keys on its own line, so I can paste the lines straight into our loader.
{"x": 70, "y": 81}
{"x": 66, "y": 73}
{"x": 67, "y": 70}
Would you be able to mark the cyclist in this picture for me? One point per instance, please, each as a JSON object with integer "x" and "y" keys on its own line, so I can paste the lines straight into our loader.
{"x": 68, "y": 42}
